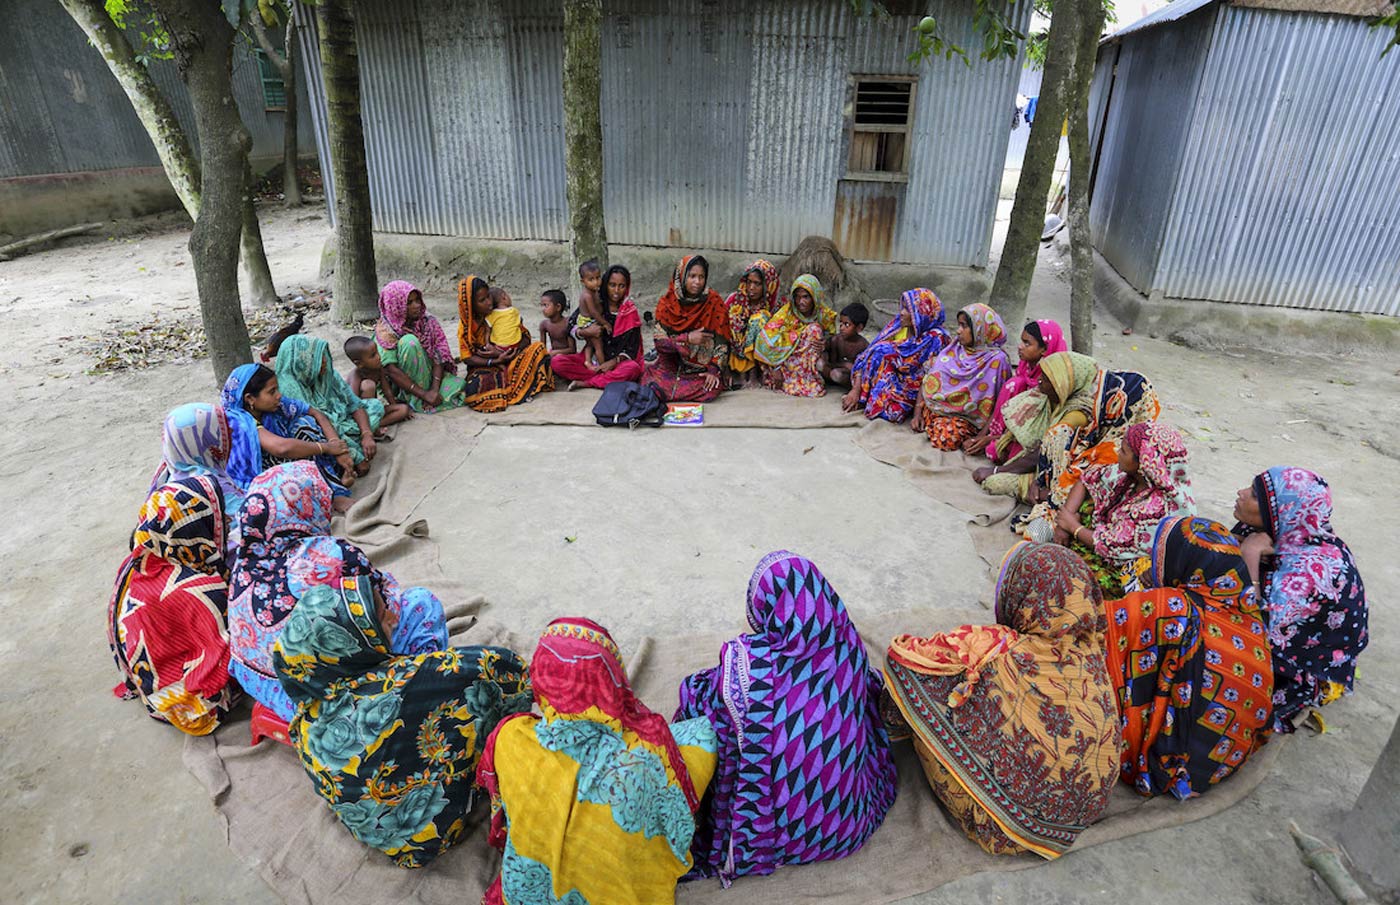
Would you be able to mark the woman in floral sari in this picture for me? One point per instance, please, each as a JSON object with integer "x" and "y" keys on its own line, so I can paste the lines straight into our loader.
{"x": 196, "y": 443}
{"x": 1309, "y": 588}
{"x": 885, "y": 377}
{"x": 962, "y": 383}
{"x": 165, "y": 621}
{"x": 1015, "y": 723}
{"x": 694, "y": 349}
{"x": 414, "y": 351}
{"x": 391, "y": 742}
{"x": 791, "y": 345}
{"x": 786, "y": 791}
{"x": 595, "y": 800}
{"x": 1038, "y": 339}
{"x": 1190, "y": 660}
{"x": 502, "y": 377}
{"x": 750, "y": 307}
{"x": 286, "y": 550}
{"x": 305, "y": 372}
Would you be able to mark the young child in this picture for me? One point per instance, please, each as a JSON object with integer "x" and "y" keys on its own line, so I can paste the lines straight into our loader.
{"x": 843, "y": 348}
{"x": 368, "y": 379}
{"x": 590, "y": 307}
{"x": 555, "y": 326}
{"x": 504, "y": 320}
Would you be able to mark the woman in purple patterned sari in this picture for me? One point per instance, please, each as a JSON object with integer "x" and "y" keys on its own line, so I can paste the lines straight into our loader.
{"x": 804, "y": 772}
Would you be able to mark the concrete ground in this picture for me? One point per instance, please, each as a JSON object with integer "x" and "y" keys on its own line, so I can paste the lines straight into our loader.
{"x": 95, "y": 803}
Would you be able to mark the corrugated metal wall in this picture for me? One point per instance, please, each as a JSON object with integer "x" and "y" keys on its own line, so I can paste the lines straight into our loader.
{"x": 724, "y": 122}
{"x": 62, "y": 111}
{"x": 1288, "y": 190}
{"x": 1147, "y": 124}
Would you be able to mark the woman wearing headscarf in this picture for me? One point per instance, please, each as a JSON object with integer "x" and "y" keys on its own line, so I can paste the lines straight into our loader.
{"x": 804, "y": 772}
{"x": 595, "y": 800}
{"x": 1309, "y": 587}
{"x": 620, "y": 333}
{"x": 165, "y": 621}
{"x": 750, "y": 307}
{"x": 791, "y": 345}
{"x": 1015, "y": 723}
{"x": 414, "y": 351}
{"x": 391, "y": 742}
{"x": 1038, "y": 339}
{"x": 497, "y": 378}
{"x": 286, "y": 549}
{"x": 305, "y": 372}
{"x": 694, "y": 348}
{"x": 1190, "y": 661}
{"x": 958, "y": 392}
{"x": 195, "y": 443}
{"x": 885, "y": 377}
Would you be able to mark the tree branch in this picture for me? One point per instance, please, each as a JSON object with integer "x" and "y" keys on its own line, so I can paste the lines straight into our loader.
{"x": 265, "y": 42}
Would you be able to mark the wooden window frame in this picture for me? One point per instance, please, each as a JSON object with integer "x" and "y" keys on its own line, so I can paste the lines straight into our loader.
{"x": 260, "y": 60}
{"x": 853, "y": 88}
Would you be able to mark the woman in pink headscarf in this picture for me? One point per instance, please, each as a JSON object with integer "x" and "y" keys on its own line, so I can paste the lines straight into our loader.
{"x": 1038, "y": 339}
{"x": 414, "y": 350}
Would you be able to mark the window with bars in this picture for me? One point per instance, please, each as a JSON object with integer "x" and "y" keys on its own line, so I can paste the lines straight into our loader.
{"x": 880, "y": 127}
{"x": 274, "y": 92}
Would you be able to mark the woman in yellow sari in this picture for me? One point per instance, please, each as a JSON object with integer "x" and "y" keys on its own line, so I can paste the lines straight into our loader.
{"x": 792, "y": 344}
{"x": 497, "y": 378}
{"x": 595, "y": 801}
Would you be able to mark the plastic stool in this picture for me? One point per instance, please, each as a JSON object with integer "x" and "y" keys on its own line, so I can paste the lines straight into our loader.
{"x": 267, "y": 724}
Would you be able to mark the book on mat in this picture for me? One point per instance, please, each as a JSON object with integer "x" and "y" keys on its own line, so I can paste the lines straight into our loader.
{"x": 685, "y": 414}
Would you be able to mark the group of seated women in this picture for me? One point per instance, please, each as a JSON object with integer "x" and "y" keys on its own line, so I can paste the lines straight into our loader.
{"x": 778, "y": 755}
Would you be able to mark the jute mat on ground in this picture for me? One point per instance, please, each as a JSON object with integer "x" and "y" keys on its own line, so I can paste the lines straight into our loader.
{"x": 276, "y": 822}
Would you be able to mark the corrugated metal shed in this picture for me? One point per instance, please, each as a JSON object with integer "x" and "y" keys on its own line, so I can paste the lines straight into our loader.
{"x": 724, "y": 122}
{"x": 62, "y": 111}
{"x": 1259, "y": 169}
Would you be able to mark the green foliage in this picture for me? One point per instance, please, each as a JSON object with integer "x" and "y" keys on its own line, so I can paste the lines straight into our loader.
{"x": 1391, "y": 21}
{"x": 150, "y": 40}
{"x": 1035, "y": 44}
{"x": 999, "y": 37}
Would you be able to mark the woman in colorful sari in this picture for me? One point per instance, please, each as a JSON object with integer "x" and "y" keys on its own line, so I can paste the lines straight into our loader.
{"x": 1015, "y": 723}
{"x": 1038, "y": 339}
{"x": 196, "y": 442}
{"x": 750, "y": 307}
{"x": 958, "y": 392}
{"x": 269, "y": 429}
{"x": 885, "y": 377}
{"x": 414, "y": 351}
{"x": 1309, "y": 588}
{"x": 305, "y": 372}
{"x": 791, "y": 345}
{"x": 502, "y": 377}
{"x": 692, "y": 353}
{"x": 391, "y": 742}
{"x": 805, "y": 772}
{"x": 1111, "y": 516}
{"x": 165, "y": 621}
{"x": 1190, "y": 660}
{"x": 621, "y": 338}
{"x": 595, "y": 800}
{"x": 285, "y": 551}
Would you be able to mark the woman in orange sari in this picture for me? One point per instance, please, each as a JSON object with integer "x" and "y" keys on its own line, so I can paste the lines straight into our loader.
{"x": 496, "y": 378}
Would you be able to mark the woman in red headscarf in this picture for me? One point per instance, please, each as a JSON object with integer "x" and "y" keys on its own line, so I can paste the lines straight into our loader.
{"x": 692, "y": 354}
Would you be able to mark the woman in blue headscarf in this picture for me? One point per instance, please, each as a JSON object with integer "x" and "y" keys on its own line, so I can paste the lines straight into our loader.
{"x": 885, "y": 378}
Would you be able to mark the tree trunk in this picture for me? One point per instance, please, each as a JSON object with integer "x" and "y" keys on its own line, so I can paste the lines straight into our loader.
{"x": 1371, "y": 831}
{"x": 355, "y": 289}
{"x": 291, "y": 185}
{"x": 1018, "y": 254}
{"x": 583, "y": 130}
{"x": 202, "y": 41}
{"x": 255, "y": 267}
{"x": 171, "y": 143}
{"x": 1081, "y": 298}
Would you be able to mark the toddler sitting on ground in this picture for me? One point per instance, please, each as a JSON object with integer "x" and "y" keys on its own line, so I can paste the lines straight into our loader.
{"x": 846, "y": 344}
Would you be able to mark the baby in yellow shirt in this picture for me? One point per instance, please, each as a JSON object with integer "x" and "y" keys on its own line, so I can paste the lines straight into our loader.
{"x": 503, "y": 320}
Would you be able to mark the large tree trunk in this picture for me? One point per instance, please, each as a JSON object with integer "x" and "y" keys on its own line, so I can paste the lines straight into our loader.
{"x": 1371, "y": 831}
{"x": 260, "y": 286}
{"x": 1018, "y": 254}
{"x": 355, "y": 290}
{"x": 285, "y": 63}
{"x": 583, "y": 130}
{"x": 202, "y": 41}
{"x": 1081, "y": 298}
{"x": 172, "y": 145}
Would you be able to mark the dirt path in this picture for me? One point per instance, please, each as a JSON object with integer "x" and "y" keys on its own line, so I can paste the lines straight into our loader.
{"x": 96, "y": 803}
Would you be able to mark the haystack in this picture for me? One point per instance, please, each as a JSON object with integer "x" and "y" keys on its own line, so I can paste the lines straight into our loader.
{"x": 820, "y": 257}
